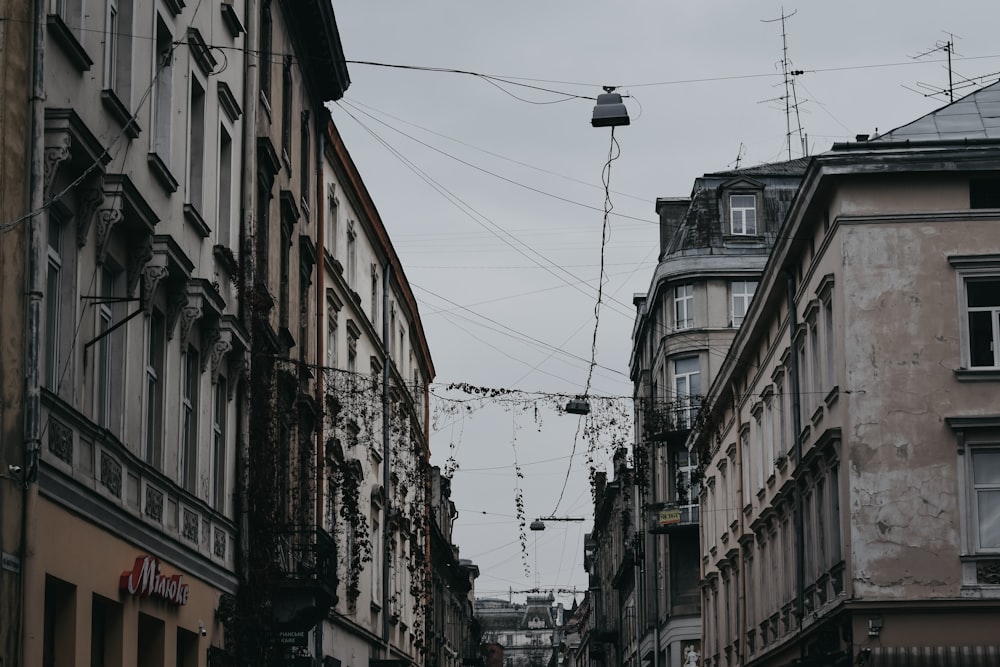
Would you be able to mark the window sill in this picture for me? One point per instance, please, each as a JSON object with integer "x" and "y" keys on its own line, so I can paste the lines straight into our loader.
{"x": 232, "y": 20}
{"x": 120, "y": 112}
{"x": 192, "y": 215}
{"x": 977, "y": 374}
{"x": 266, "y": 105}
{"x": 175, "y": 6}
{"x": 832, "y": 397}
{"x": 817, "y": 415}
{"x": 743, "y": 239}
{"x": 162, "y": 173}
{"x": 64, "y": 36}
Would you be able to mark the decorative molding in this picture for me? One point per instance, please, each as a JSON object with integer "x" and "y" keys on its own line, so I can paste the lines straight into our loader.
{"x": 988, "y": 572}
{"x": 111, "y": 474}
{"x": 61, "y": 441}
{"x": 152, "y": 275}
{"x": 162, "y": 172}
{"x": 154, "y": 503}
{"x": 220, "y": 541}
{"x": 228, "y": 102}
{"x": 189, "y": 525}
{"x": 139, "y": 256}
{"x": 221, "y": 348}
{"x": 91, "y": 197}
{"x": 210, "y": 336}
{"x": 107, "y": 217}
{"x": 55, "y": 154}
{"x": 232, "y": 19}
{"x": 63, "y": 35}
{"x": 189, "y": 314}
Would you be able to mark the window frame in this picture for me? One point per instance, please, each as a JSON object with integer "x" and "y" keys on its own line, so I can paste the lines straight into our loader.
{"x": 683, "y": 300}
{"x": 975, "y": 268}
{"x": 220, "y": 394}
{"x": 187, "y": 459}
{"x": 745, "y": 226}
{"x": 154, "y": 381}
{"x": 744, "y": 296}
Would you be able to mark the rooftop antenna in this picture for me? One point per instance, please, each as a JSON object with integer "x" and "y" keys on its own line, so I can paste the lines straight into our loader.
{"x": 790, "y": 98}
{"x": 956, "y": 81}
{"x": 739, "y": 157}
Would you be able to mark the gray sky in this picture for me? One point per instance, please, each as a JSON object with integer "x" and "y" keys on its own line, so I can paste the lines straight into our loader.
{"x": 505, "y": 268}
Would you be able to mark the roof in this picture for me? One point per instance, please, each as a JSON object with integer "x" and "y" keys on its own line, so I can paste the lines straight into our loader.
{"x": 975, "y": 116}
{"x": 796, "y": 167}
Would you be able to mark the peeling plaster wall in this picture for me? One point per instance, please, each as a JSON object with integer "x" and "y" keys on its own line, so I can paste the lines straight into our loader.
{"x": 902, "y": 344}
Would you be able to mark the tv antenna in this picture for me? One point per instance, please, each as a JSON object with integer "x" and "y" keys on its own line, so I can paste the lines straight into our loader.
{"x": 790, "y": 98}
{"x": 739, "y": 156}
{"x": 927, "y": 90}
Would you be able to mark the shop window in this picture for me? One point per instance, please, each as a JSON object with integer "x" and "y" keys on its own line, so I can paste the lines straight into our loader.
{"x": 150, "y": 645}
{"x": 59, "y": 629}
{"x": 187, "y": 648}
{"x": 105, "y": 632}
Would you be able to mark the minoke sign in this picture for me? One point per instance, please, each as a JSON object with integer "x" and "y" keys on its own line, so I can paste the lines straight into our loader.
{"x": 145, "y": 580}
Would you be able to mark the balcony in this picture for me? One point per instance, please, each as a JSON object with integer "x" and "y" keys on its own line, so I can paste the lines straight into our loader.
{"x": 305, "y": 575}
{"x": 669, "y": 421}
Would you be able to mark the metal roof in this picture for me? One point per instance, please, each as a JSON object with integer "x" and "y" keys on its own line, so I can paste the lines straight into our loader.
{"x": 975, "y": 116}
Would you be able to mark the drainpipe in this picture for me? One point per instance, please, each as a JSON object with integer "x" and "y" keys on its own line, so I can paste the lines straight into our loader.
{"x": 320, "y": 351}
{"x": 793, "y": 368}
{"x": 31, "y": 600}
{"x": 386, "y": 455}
{"x": 245, "y": 247}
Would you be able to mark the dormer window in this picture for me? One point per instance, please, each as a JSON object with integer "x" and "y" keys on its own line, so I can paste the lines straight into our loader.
{"x": 743, "y": 214}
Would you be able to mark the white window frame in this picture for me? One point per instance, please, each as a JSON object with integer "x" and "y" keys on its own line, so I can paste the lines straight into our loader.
{"x": 743, "y": 214}
{"x": 742, "y": 294}
{"x": 683, "y": 307}
{"x": 155, "y": 360}
{"x": 187, "y": 458}
{"x": 688, "y": 401}
{"x": 332, "y": 215}
{"x": 220, "y": 420}
{"x": 53, "y": 309}
{"x": 196, "y": 134}
{"x": 973, "y": 268}
{"x": 225, "y": 182}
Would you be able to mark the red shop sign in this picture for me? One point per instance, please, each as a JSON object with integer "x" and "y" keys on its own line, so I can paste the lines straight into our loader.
{"x": 145, "y": 580}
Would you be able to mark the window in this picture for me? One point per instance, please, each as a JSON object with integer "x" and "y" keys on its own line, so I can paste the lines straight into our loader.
{"x": 196, "y": 143}
{"x": 152, "y": 453}
{"x": 352, "y": 256}
{"x": 683, "y": 307}
{"x": 189, "y": 420}
{"x": 304, "y": 160}
{"x": 376, "y": 558}
{"x": 374, "y": 309}
{"x": 984, "y": 193}
{"x": 53, "y": 303}
{"x": 163, "y": 91}
{"x": 687, "y": 389}
{"x": 111, "y": 35}
{"x": 331, "y": 342}
{"x": 286, "y": 111}
{"x": 743, "y": 214}
{"x": 983, "y": 308}
{"x": 265, "y": 51}
{"x": 225, "y": 193}
{"x": 284, "y": 285}
{"x": 769, "y": 435}
{"x": 109, "y": 352}
{"x": 829, "y": 343}
{"x": 814, "y": 361}
{"x": 332, "y": 211}
{"x": 219, "y": 445}
{"x": 743, "y": 291}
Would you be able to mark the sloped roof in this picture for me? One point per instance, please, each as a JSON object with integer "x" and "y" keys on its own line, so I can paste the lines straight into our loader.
{"x": 975, "y": 116}
{"x": 796, "y": 167}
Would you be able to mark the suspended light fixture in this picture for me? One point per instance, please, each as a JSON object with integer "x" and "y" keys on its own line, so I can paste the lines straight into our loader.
{"x": 537, "y": 524}
{"x": 578, "y": 406}
{"x": 609, "y": 111}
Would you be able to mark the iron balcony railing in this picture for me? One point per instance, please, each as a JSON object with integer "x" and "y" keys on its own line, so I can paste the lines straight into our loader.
{"x": 307, "y": 554}
{"x": 662, "y": 419}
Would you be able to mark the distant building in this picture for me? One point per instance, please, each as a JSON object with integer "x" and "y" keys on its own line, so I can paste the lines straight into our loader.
{"x": 529, "y": 633}
{"x": 850, "y": 444}
{"x": 713, "y": 246}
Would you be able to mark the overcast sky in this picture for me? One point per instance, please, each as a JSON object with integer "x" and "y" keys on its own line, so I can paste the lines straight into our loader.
{"x": 498, "y": 217}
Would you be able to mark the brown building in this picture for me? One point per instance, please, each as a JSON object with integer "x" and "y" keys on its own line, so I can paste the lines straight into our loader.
{"x": 851, "y": 441}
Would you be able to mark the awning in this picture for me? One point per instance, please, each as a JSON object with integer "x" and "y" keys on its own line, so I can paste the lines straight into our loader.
{"x": 930, "y": 656}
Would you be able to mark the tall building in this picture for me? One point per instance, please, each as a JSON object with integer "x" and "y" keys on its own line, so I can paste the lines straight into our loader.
{"x": 528, "y": 633}
{"x": 215, "y": 432}
{"x": 849, "y": 443}
{"x": 713, "y": 246}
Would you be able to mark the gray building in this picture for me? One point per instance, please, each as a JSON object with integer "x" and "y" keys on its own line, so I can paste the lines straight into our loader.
{"x": 529, "y": 633}
{"x": 713, "y": 247}
{"x": 851, "y": 441}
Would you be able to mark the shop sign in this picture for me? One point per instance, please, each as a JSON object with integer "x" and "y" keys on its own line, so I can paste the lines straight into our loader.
{"x": 145, "y": 580}
{"x": 293, "y": 638}
{"x": 669, "y": 517}
{"x": 11, "y": 563}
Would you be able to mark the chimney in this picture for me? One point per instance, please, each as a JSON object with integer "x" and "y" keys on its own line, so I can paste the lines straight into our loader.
{"x": 671, "y": 211}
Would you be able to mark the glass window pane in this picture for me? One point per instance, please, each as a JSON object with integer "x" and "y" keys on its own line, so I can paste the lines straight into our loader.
{"x": 686, "y": 365}
{"x": 986, "y": 467}
{"x": 984, "y": 293}
{"x": 989, "y": 519}
{"x": 981, "y": 343}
